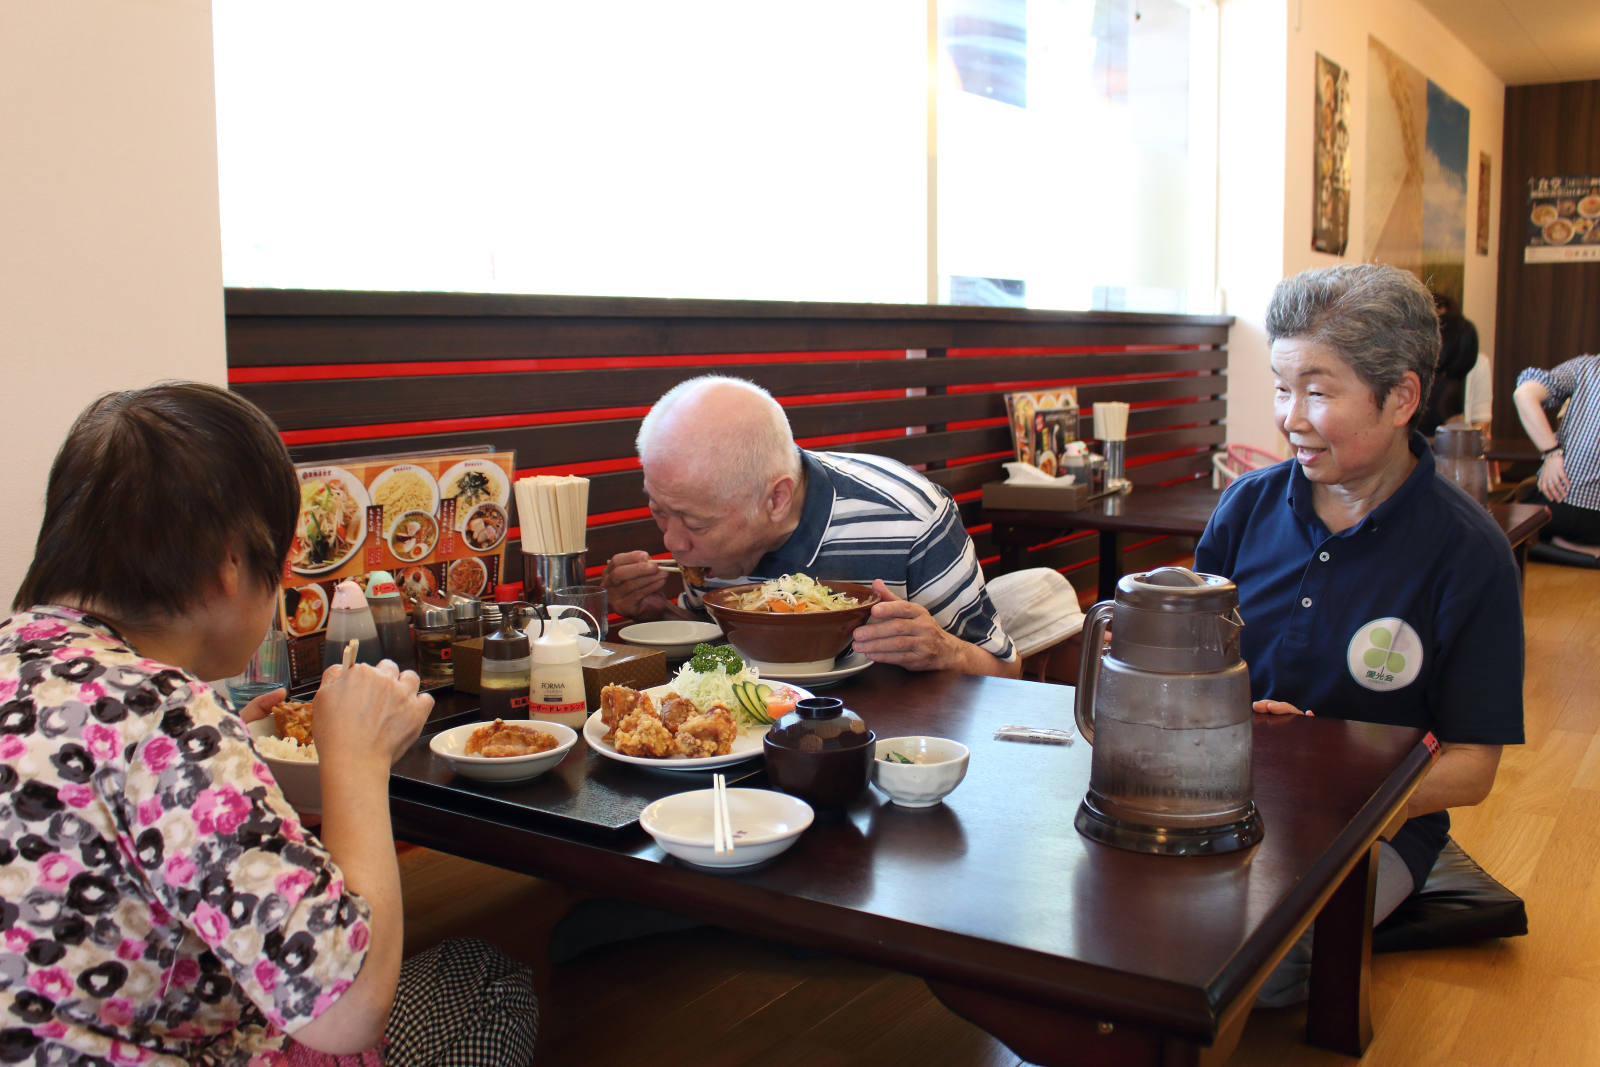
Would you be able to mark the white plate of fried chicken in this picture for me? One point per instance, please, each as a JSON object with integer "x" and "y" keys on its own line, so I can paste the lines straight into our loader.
{"x": 656, "y": 728}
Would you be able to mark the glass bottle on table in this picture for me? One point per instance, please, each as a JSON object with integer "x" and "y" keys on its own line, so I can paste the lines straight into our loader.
{"x": 435, "y": 627}
{"x": 503, "y": 679}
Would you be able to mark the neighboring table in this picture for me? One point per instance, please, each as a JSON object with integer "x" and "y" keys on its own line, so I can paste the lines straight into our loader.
{"x": 1179, "y": 511}
{"x": 1175, "y": 510}
{"x": 1069, "y": 951}
{"x": 1520, "y": 522}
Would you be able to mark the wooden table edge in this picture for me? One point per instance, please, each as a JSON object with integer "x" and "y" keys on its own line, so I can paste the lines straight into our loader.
{"x": 1005, "y": 970}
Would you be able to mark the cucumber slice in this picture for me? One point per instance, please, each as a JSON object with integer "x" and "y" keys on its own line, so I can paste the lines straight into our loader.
{"x": 743, "y": 692}
{"x": 764, "y": 694}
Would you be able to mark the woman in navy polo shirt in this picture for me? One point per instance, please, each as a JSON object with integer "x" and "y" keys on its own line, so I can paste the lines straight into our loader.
{"x": 1371, "y": 588}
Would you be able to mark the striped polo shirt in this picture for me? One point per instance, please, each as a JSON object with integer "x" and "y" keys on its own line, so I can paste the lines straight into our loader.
{"x": 1579, "y": 432}
{"x": 868, "y": 517}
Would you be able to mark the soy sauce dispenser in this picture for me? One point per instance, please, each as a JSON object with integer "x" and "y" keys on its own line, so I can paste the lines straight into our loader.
{"x": 503, "y": 681}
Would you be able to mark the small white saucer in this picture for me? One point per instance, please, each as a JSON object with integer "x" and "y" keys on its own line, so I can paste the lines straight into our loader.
{"x": 850, "y": 665}
{"x": 675, "y": 637}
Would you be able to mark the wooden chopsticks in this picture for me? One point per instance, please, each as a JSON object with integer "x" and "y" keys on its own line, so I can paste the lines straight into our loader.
{"x": 721, "y": 823}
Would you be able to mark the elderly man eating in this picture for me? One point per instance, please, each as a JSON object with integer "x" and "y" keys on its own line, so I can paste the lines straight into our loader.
{"x": 735, "y": 497}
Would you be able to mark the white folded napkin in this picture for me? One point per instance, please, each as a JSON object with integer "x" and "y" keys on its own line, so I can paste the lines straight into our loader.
{"x": 1028, "y": 474}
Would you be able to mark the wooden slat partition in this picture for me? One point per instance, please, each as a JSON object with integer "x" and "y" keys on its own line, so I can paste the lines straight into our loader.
{"x": 565, "y": 380}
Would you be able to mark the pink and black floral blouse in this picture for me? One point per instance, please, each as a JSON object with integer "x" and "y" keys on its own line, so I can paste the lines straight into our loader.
{"x": 159, "y": 902}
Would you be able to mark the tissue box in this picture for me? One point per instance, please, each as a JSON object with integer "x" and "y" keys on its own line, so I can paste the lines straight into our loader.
{"x": 467, "y": 655}
{"x": 998, "y": 496}
{"x": 629, "y": 665}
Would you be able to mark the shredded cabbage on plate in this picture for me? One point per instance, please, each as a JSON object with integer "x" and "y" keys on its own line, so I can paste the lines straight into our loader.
{"x": 794, "y": 593}
{"x": 716, "y": 686}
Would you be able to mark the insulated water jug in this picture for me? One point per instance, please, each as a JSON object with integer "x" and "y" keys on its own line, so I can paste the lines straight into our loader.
{"x": 1167, "y": 710}
{"x": 1458, "y": 456}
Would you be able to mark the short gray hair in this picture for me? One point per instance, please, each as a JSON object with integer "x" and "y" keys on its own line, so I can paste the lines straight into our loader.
{"x": 749, "y": 454}
{"x": 1379, "y": 319}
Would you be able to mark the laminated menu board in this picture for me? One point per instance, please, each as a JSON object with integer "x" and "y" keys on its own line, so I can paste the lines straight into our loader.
{"x": 1042, "y": 424}
{"x": 1563, "y": 220}
{"x": 437, "y": 523}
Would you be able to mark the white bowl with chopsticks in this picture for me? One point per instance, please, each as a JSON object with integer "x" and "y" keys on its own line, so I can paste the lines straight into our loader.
{"x": 764, "y": 824}
{"x": 675, "y": 637}
{"x": 451, "y": 746}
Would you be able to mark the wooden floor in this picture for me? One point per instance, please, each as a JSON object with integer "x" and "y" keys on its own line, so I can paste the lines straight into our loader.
{"x": 716, "y": 999}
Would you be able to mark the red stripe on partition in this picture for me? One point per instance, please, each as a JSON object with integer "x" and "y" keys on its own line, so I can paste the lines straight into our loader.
{"x": 325, "y": 371}
{"x": 465, "y": 425}
{"x": 626, "y": 515}
{"x": 1056, "y": 383}
{"x": 1058, "y": 350}
{"x": 419, "y": 427}
{"x": 594, "y": 466}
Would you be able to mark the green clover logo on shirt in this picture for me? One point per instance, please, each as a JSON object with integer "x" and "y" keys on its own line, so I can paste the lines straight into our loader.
{"x": 1385, "y": 654}
{"x": 1379, "y": 656}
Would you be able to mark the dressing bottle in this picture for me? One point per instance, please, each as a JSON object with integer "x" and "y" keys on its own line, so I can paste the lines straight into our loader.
{"x": 351, "y": 619}
{"x": 503, "y": 681}
{"x": 389, "y": 615}
{"x": 555, "y": 675}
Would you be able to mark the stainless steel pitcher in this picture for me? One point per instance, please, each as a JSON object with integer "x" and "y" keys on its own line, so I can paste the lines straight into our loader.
{"x": 1167, "y": 710}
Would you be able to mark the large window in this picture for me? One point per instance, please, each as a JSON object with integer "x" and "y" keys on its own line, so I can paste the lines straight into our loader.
{"x": 723, "y": 148}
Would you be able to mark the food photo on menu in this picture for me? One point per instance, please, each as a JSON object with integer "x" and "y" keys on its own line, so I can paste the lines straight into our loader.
{"x": 438, "y": 524}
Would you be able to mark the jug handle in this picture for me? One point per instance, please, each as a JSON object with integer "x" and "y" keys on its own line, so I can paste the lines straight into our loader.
{"x": 1094, "y": 637}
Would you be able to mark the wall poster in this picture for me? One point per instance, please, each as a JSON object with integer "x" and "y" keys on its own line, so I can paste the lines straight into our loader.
{"x": 438, "y": 523}
{"x": 1483, "y": 203}
{"x": 1417, "y": 161}
{"x": 1563, "y": 220}
{"x": 1330, "y": 226}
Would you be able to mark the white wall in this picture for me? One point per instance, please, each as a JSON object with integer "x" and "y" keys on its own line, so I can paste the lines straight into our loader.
{"x": 1267, "y": 107}
{"x": 110, "y": 260}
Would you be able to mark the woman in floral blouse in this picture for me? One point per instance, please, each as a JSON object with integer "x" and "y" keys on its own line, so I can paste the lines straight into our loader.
{"x": 160, "y": 903}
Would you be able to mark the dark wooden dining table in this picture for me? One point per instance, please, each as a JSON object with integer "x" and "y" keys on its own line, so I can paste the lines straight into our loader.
{"x": 1180, "y": 510}
{"x": 1068, "y": 951}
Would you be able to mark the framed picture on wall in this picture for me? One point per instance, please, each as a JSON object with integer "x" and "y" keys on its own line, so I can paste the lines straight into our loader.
{"x": 1483, "y": 203}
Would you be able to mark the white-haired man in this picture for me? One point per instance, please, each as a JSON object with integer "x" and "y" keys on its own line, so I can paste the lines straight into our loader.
{"x": 735, "y": 496}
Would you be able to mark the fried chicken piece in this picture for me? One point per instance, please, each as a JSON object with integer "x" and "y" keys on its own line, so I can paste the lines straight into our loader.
{"x": 709, "y": 733}
{"x": 498, "y": 740}
{"x": 293, "y": 719}
{"x": 641, "y": 734}
{"x": 617, "y": 702}
{"x": 675, "y": 710}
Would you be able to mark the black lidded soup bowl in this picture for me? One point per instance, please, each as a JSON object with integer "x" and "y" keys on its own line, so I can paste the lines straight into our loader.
{"x": 821, "y": 752}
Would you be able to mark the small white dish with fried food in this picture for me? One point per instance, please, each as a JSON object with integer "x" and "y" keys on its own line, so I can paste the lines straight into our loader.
{"x": 763, "y": 822}
{"x": 453, "y": 746}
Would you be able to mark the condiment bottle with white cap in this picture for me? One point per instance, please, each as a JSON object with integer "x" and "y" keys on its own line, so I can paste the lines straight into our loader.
{"x": 555, "y": 678}
{"x": 351, "y": 619}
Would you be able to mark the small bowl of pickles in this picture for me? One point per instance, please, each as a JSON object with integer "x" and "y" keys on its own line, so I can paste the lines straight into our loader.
{"x": 919, "y": 772}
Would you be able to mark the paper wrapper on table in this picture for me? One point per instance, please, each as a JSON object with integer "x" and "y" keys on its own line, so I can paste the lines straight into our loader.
{"x": 629, "y": 665}
{"x": 998, "y": 496}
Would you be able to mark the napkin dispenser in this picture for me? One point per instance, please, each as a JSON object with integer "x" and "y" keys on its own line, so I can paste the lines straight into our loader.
{"x": 1027, "y": 488}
